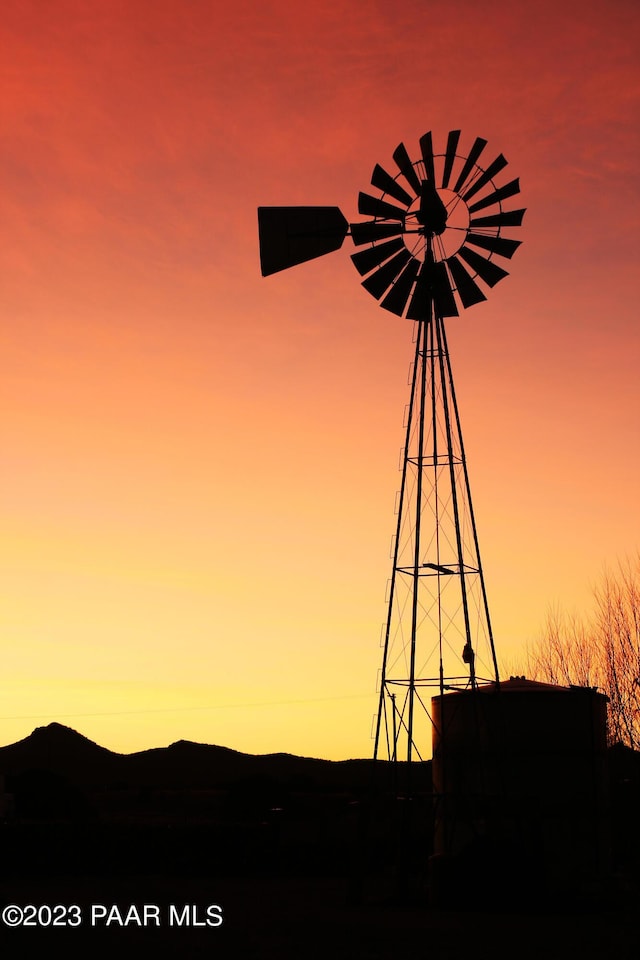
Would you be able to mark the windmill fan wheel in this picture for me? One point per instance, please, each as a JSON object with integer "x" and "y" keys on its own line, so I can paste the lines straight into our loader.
{"x": 436, "y": 229}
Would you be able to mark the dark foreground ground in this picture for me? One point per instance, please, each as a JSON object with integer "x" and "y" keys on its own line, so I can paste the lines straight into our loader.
{"x": 291, "y": 918}
{"x": 302, "y": 860}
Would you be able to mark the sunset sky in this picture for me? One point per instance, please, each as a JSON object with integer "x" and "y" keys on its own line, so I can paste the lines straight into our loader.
{"x": 199, "y": 464}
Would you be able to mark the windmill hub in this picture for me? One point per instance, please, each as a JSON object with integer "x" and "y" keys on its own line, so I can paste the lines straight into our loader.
{"x": 447, "y": 226}
{"x": 432, "y": 213}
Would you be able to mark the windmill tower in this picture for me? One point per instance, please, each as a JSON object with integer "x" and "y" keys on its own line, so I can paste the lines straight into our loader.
{"x": 429, "y": 249}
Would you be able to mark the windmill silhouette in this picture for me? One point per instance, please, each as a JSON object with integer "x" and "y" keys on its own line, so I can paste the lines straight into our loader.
{"x": 429, "y": 248}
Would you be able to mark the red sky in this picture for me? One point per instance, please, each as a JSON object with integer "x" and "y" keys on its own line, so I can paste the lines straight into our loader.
{"x": 199, "y": 464}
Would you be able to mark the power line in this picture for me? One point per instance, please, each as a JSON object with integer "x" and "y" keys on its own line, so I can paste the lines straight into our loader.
{"x": 218, "y": 706}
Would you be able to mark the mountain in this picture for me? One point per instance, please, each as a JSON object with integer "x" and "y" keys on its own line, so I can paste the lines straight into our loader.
{"x": 60, "y": 750}
{"x": 182, "y": 765}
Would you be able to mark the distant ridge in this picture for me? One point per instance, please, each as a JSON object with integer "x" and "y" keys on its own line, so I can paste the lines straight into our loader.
{"x": 184, "y": 764}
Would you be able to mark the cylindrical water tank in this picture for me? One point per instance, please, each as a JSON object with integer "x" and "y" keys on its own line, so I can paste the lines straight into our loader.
{"x": 519, "y": 779}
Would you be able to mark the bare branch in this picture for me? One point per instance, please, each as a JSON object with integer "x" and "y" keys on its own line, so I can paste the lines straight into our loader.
{"x": 601, "y": 650}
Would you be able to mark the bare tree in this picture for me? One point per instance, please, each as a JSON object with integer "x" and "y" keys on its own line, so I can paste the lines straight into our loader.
{"x": 601, "y": 649}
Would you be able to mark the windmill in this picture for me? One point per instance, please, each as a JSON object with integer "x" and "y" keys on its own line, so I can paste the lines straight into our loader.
{"x": 429, "y": 248}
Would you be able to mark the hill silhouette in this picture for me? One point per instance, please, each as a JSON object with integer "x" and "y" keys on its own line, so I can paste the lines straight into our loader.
{"x": 58, "y": 749}
{"x": 184, "y": 764}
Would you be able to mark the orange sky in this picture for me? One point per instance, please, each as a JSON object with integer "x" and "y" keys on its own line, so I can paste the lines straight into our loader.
{"x": 199, "y": 464}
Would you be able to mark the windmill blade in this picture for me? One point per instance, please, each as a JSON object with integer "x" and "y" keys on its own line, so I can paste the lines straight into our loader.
{"x": 426, "y": 146}
{"x": 405, "y": 167}
{"x": 398, "y": 296}
{"x": 508, "y": 218}
{"x": 370, "y": 232}
{"x": 379, "y": 281}
{"x": 385, "y": 182}
{"x": 372, "y": 257}
{"x": 509, "y": 190}
{"x": 291, "y": 235}
{"x": 370, "y": 206}
{"x": 450, "y": 155}
{"x": 432, "y": 286}
{"x": 494, "y": 168}
{"x": 421, "y": 299}
{"x": 487, "y": 270}
{"x": 474, "y": 153}
{"x": 498, "y": 245}
{"x": 468, "y": 290}
{"x": 442, "y": 293}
